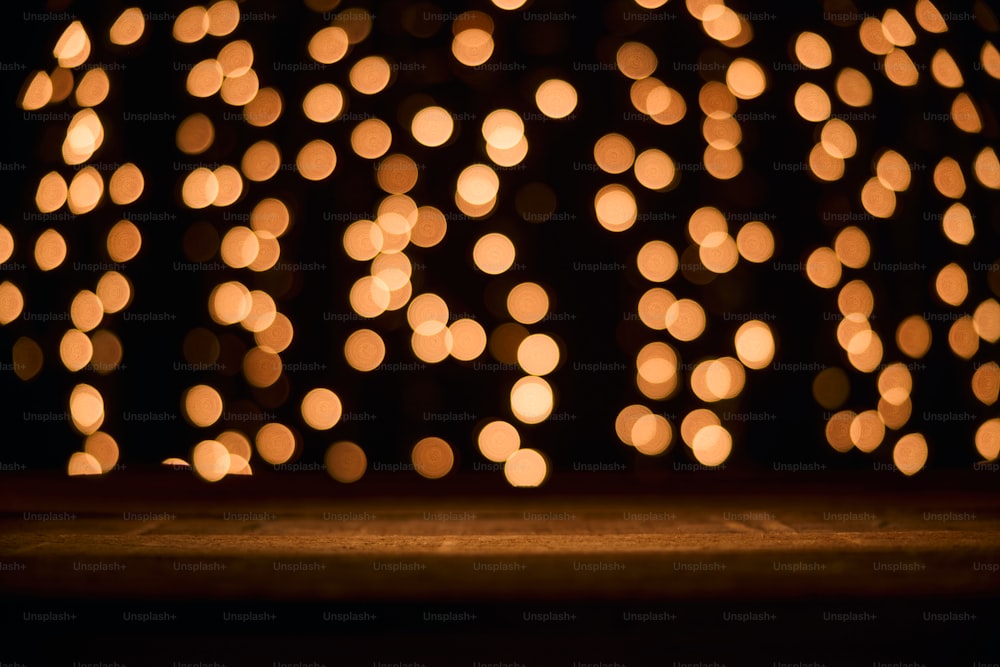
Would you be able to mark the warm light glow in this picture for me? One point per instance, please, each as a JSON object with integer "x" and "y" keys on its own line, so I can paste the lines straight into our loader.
{"x": 948, "y": 178}
{"x": 205, "y": 78}
{"x": 93, "y": 88}
{"x": 86, "y": 310}
{"x": 855, "y": 300}
{"x": 328, "y": 45}
{"x": 323, "y": 103}
{"x": 83, "y": 463}
{"x": 36, "y": 93}
{"x": 210, "y": 459}
{"x": 260, "y": 161}
{"x": 852, "y": 247}
{"x": 929, "y": 17}
{"x": 538, "y": 354}
{"x": 73, "y": 47}
{"x": 498, "y": 440}
{"x": 651, "y": 434}
{"x": 527, "y": 303}
{"x": 103, "y": 448}
{"x": 195, "y": 134}
{"x": 275, "y": 443}
{"x": 51, "y": 193}
{"x": 986, "y": 320}
{"x": 191, "y": 25}
{"x": 755, "y": 242}
{"x": 812, "y": 102}
{"x": 987, "y": 168}
{"x": 114, "y": 291}
{"x": 853, "y": 88}
{"x": 823, "y": 268}
{"x": 75, "y": 350}
{"x": 867, "y": 431}
{"x": 556, "y": 98}
{"x": 264, "y": 108}
{"x": 370, "y": 75}
{"x": 831, "y": 388}
{"x": 316, "y": 160}
{"x": 85, "y": 191}
{"x": 432, "y": 126}
{"x": 657, "y": 261}
{"x": 745, "y": 79}
{"x": 712, "y": 445}
{"x": 321, "y": 409}
{"x": 86, "y": 408}
{"x": 240, "y": 90}
{"x": 813, "y": 51}
{"x": 50, "y": 250}
{"x": 685, "y": 319}
{"x": 432, "y": 457}
{"x": 11, "y": 302}
{"x": 986, "y": 383}
{"x": 493, "y": 253}
{"x": 346, "y": 462}
{"x": 468, "y": 339}
{"x": 635, "y": 60}
{"x": 754, "y": 344}
{"x": 472, "y": 47}
{"x": 126, "y": 184}
{"x": 952, "y": 285}
{"x": 371, "y": 138}
{"x": 900, "y": 69}
{"x": 526, "y": 468}
{"x": 202, "y": 405}
{"x": 877, "y": 199}
{"x": 988, "y": 439}
{"x": 910, "y": 453}
{"x": 615, "y": 208}
{"x": 531, "y": 400}
{"x": 962, "y": 337}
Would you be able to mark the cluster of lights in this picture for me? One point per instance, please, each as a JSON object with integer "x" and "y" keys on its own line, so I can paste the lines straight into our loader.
{"x": 400, "y": 221}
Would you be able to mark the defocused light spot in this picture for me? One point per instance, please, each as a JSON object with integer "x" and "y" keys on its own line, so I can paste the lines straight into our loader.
{"x": 50, "y": 250}
{"x": 986, "y": 168}
{"x": 86, "y": 310}
{"x": 952, "y": 285}
{"x": 635, "y": 60}
{"x": 210, "y": 459}
{"x": 538, "y": 354}
{"x": 855, "y": 300}
{"x": 86, "y": 408}
{"x": 11, "y": 302}
{"x": 223, "y": 17}
{"x": 895, "y": 383}
{"x": 498, "y": 440}
{"x": 812, "y": 102}
{"x": 93, "y": 88}
{"x": 205, "y": 78}
{"x": 900, "y": 69}
{"x": 988, "y": 439}
{"x": 945, "y": 70}
{"x": 195, "y": 134}
{"x": 615, "y": 207}
{"x": 531, "y": 399}
{"x": 910, "y": 453}
{"x": 114, "y": 291}
{"x": 986, "y": 320}
{"x": 654, "y": 169}
{"x": 356, "y": 22}
{"x": 852, "y": 247}
{"x": 755, "y": 242}
{"x": 853, "y": 88}
{"x": 685, "y": 319}
{"x": 493, "y": 253}
{"x": 75, "y": 350}
{"x": 433, "y": 347}
{"x": 432, "y": 126}
{"x": 240, "y": 90}
{"x": 323, "y": 103}
{"x": 191, "y": 25}
{"x": 277, "y": 337}
{"x": 370, "y": 75}
{"x": 397, "y": 174}
{"x": 62, "y": 84}
{"x": 371, "y": 138}
{"x": 986, "y": 383}
{"x": 202, "y": 405}
{"x": 328, "y": 45}
{"x": 651, "y": 434}
{"x": 362, "y": 240}
{"x": 468, "y": 339}
{"x": 108, "y": 352}
{"x": 527, "y": 303}
{"x": 877, "y": 199}
{"x": 873, "y": 38}
{"x": 432, "y": 457}
{"x": 73, "y": 47}
{"x": 230, "y": 185}
{"x": 929, "y": 17}
{"x": 864, "y": 350}
{"x": 754, "y": 344}
{"x": 657, "y": 261}
{"x": 614, "y": 153}
{"x": 508, "y": 157}
{"x": 472, "y": 47}
{"x": 556, "y": 98}
{"x": 270, "y": 215}
{"x": 897, "y": 29}
{"x": 230, "y": 302}
{"x": 812, "y": 50}
{"x": 316, "y": 160}
{"x": 85, "y": 191}
{"x": 831, "y": 388}
{"x": 526, "y": 468}
{"x": 502, "y": 129}
{"x": 712, "y": 445}
{"x": 51, "y": 193}
{"x": 867, "y": 431}
{"x": 36, "y": 92}
{"x": 745, "y": 79}
{"x": 275, "y": 443}
{"x": 718, "y": 252}
{"x": 321, "y": 409}
{"x": 83, "y": 463}
{"x": 838, "y": 430}
{"x": 653, "y": 306}
{"x": 838, "y": 139}
{"x": 369, "y": 296}
{"x": 823, "y": 268}
{"x": 990, "y": 57}
{"x": 962, "y": 337}
{"x": 26, "y": 354}
{"x": 126, "y": 184}
{"x": 948, "y": 178}
{"x": 103, "y": 448}
{"x": 346, "y": 462}
{"x": 260, "y": 161}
